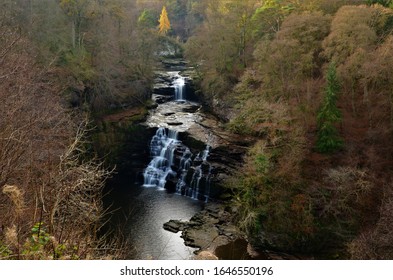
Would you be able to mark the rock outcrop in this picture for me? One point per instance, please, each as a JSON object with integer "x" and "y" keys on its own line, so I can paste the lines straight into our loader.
{"x": 208, "y": 229}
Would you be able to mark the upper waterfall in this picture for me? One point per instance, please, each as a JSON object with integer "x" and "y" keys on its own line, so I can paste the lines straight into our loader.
{"x": 179, "y": 84}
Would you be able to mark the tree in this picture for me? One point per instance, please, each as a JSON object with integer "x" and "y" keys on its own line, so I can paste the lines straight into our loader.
{"x": 179, "y": 9}
{"x": 76, "y": 11}
{"x": 353, "y": 27}
{"x": 376, "y": 78}
{"x": 328, "y": 138}
{"x": 223, "y": 43}
{"x": 164, "y": 25}
{"x": 291, "y": 59}
{"x": 385, "y": 3}
{"x": 268, "y": 16}
{"x": 356, "y": 31}
{"x": 50, "y": 194}
{"x": 146, "y": 19}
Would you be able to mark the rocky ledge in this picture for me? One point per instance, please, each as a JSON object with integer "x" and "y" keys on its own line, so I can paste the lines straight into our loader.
{"x": 208, "y": 229}
{"x": 216, "y": 237}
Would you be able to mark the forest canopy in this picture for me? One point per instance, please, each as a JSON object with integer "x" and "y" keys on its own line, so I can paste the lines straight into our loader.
{"x": 310, "y": 82}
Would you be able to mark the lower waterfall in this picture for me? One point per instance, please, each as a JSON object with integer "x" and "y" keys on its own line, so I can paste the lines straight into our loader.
{"x": 173, "y": 166}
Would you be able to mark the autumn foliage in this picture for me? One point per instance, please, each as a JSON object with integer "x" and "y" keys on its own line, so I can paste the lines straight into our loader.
{"x": 50, "y": 193}
{"x": 164, "y": 25}
{"x": 318, "y": 178}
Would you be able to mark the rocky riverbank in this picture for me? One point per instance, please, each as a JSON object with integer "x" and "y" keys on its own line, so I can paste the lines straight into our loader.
{"x": 213, "y": 234}
{"x": 208, "y": 229}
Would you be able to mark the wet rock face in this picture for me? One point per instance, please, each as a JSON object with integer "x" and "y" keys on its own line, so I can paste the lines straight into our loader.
{"x": 174, "y": 226}
{"x": 192, "y": 172}
{"x": 165, "y": 83}
{"x": 172, "y": 113}
{"x": 175, "y": 110}
{"x": 208, "y": 229}
{"x": 196, "y": 130}
{"x": 175, "y": 64}
{"x": 160, "y": 99}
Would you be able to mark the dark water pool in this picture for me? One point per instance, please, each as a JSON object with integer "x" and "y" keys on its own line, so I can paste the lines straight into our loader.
{"x": 141, "y": 213}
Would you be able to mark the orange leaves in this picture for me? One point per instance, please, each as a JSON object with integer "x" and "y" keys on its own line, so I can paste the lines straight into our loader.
{"x": 164, "y": 25}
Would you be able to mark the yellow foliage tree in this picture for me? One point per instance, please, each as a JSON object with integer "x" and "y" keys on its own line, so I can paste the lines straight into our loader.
{"x": 164, "y": 25}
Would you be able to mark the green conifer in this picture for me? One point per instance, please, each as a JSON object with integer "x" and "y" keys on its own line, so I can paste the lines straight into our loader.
{"x": 329, "y": 115}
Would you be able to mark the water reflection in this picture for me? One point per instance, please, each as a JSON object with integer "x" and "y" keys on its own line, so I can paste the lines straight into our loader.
{"x": 151, "y": 208}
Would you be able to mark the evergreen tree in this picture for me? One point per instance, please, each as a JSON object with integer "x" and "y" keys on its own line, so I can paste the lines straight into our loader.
{"x": 147, "y": 19}
{"x": 164, "y": 25}
{"x": 328, "y": 139}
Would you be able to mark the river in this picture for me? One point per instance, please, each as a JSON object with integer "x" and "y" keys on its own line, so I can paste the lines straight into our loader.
{"x": 143, "y": 211}
{"x": 175, "y": 180}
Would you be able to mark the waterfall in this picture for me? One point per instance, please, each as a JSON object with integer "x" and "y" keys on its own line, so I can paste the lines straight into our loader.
{"x": 199, "y": 170}
{"x": 179, "y": 85}
{"x": 162, "y": 147}
{"x": 192, "y": 176}
{"x": 195, "y": 181}
{"x": 185, "y": 161}
{"x": 208, "y": 176}
{"x": 205, "y": 153}
{"x": 208, "y": 183}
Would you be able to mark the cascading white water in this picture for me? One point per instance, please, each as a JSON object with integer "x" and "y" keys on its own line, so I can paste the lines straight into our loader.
{"x": 195, "y": 181}
{"x": 185, "y": 164}
{"x": 199, "y": 173}
{"x": 179, "y": 85}
{"x": 185, "y": 161}
{"x": 162, "y": 147}
{"x": 208, "y": 183}
{"x": 205, "y": 153}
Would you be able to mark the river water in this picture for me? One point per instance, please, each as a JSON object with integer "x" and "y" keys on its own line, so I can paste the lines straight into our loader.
{"x": 140, "y": 202}
{"x": 143, "y": 211}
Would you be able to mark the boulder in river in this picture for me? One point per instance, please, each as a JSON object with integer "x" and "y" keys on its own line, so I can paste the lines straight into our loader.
{"x": 174, "y": 226}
